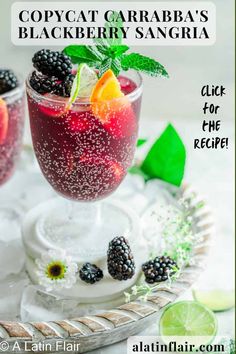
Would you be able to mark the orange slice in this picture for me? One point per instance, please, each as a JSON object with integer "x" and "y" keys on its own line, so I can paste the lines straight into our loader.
{"x": 106, "y": 88}
{"x": 3, "y": 120}
{"x": 112, "y": 107}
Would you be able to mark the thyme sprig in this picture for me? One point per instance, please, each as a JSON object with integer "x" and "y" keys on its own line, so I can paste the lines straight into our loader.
{"x": 178, "y": 241}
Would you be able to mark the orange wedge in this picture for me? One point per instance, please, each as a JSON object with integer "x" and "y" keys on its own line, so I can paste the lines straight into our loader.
{"x": 112, "y": 107}
{"x": 106, "y": 88}
{"x": 3, "y": 120}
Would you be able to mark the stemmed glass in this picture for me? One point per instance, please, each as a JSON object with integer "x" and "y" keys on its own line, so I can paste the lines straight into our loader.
{"x": 84, "y": 159}
{"x": 12, "y": 110}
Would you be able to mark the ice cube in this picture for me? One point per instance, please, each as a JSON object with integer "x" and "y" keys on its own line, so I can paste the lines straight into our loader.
{"x": 138, "y": 202}
{"x": 131, "y": 184}
{"x": 131, "y": 193}
{"x": 12, "y": 258}
{"x": 39, "y": 305}
{"x": 10, "y": 221}
{"x": 25, "y": 190}
{"x": 11, "y": 289}
{"x": 153, "y": 190}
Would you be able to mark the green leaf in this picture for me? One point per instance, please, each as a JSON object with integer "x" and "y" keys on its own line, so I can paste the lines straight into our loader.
{"x": 109, "y": 63}
{"x": 95, "y": 52}
{"x": 114, "y": 21}
{"x": 101, "y": 44}
{"x": 104, "y": 66}
{"x": 83, "y": 54}
{"x": 166, "y": 158}
{"x": 109, "y": 42}
{"x": 116, "y": 66}
{"x": 116, "y": 51}
{"x": 136, "y": 170}
{"x": 142, "y": 63}
{"x": 141, "y": 142}
{"x": 110, "y": 53}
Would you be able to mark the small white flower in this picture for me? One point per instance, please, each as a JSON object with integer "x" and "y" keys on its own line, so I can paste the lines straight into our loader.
{"x": 134, "y": 290}
{"x": 56, "y": 270}
{"x": 144, "y": 297}
{"x": 127, "y": 297}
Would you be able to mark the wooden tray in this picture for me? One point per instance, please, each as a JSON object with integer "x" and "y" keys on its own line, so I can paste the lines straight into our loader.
{"x": 99, "y": 330}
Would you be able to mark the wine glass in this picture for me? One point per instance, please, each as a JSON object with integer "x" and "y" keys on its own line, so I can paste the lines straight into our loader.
{"x": 12, "y": 111}
{"x": 84, "y": 155}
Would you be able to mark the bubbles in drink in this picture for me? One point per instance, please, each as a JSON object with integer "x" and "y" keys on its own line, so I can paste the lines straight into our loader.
{"x": 84, "y": 152}
{"x": 11, "y": 139}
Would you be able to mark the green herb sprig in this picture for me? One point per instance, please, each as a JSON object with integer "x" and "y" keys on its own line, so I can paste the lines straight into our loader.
{"x": 111, "y": 54}
{"x": 178, "y": 242}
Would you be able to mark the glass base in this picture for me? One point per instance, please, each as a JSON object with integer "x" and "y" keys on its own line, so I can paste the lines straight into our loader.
{"x": 82, "y": 229}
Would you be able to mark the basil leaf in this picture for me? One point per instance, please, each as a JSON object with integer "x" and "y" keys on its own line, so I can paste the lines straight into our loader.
{"x": 142, "y": 63}
{"x": 166, "y": 158}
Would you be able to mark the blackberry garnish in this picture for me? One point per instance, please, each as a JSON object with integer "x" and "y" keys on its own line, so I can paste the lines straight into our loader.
{"x": 8, "y": 81}
{"x": 158, "y": 269}
{"x": 120, "y": 260}
{"x": 52, "y": 63}
{"x": 90, "y": 273}
{"x": 42, "y": 84}
{"x": 64, "y": 88}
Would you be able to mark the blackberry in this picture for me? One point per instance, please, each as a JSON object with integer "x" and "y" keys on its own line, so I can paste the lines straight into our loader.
{"x": 64, "y": 88}
{"x": 52, "y": 63}
{"x": 158, "y": 269}
{"x": 8, "y": 81}
{"x": 42, "y": 84}
{"x": 90, "y": 273}
{"x": 120, "y": 260}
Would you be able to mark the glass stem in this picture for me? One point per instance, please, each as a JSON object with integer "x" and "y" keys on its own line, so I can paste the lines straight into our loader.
{"x": 92, "y": 211}
{"x": 70, "y": 209}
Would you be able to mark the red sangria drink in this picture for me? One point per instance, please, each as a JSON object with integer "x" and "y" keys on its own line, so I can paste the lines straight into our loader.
{"x": 84, "y": 127}
{"x": 84, "y": 149}
{"x": 11, "y": 122}
{"x": 84, "y": 105}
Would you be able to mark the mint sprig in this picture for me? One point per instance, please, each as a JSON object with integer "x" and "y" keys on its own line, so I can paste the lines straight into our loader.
{"x": 104, "y": 66}
{"x": 111, "y": 54}
{"x": 84, "y": 54}
{"x": 142, "y": 63}
{"x": 119, "y": 25}
{"x": 114, "y": 58}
